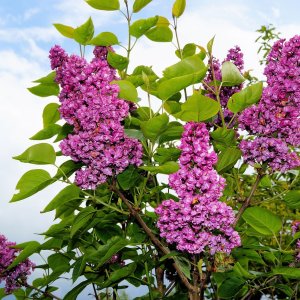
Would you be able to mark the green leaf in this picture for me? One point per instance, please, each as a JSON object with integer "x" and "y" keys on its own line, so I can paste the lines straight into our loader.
{"x": 63, "y": 132}
{"x": 246, "y": 97}
{"x": 247, "y": 254}
{"x": 78, "y": 268}
{"x": 141, "y": 26}
{"x": 155, "y": 126}
{"x": 188, "y": 50}
{"x": 73, "y": 293}
{"x": 105, "y": 252}
{"x": 47, "y": 132}
{"x": 84, "y": 33}
{"x": 223, "y": 136}
{"x": 187, "y": 66}
{"x": 242, "y": 272}
{"x": 128, "y": 178}
{"x": 167, "y": 168}
{"x": 117, "y": 61}
{"x": 184, "y": 265}
{"x": 231, "y": 75}
{"x": 104, "y": 4}
{"x": 39, "y": 154}
{"x": 136, "y": 234}
{"x": 227, "y": 159}
{"x": 59, "y": 229}
{"x": 167, "y": 154}
{"x": 59, "y": 263}
{"x": 50, "y": 114}
{"x": 285, "y": 289}
{"x": 189, "y": 71}
{"x": 48, "y": 79}
{"x": 127, "y": 90}
{"x": 230, "y": 287}
{"x": 262, "y": 220}
{"x": 67, "y": 169}
{"x": 52, "y": 244}
{"x": 198, "y": 108}
{"x": 172, "y": 107}
{"x": 292, "y": 199}
{"x": 289, "y": 272}
{"x": 173, "y": 132}
{"x": 134, "y": 133}
{"x": 169, "y": 255}
{"x": 138, "y": 74}
{"x": 28, "y": 249}
{"x": 82, "y": 219}
{"x": 104, "y": 39}
{"x": 44, "y": 89}
{"x": 65, "y": 30}
{"x": 139, "y": 4}
{"x": 160, "y": 34}
{"x": 210, "y": 45}
{"x": 178, "y": 8}
{"x": 30, "y": 183}
{"x": 2, "y": 293}
{"x": 69, "y": 193}
{"x": 119, "y": 275}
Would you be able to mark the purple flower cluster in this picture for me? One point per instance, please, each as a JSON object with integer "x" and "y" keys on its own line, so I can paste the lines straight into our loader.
{"x": 199, "y": 221}
{"x": 295, "y": 229}
{"x": 16, "y": 275}
{"x": 271, "y": 151}
{"x": 236, "y": 57}
{"x": 278, "y": 112}
{"x": 91, "y": 104}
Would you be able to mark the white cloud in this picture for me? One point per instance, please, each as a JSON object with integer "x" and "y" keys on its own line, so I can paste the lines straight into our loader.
{"x": 29, "y": 13}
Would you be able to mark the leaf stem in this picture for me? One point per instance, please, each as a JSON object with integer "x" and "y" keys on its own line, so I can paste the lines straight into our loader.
{"x": 175, "y": 26}
{"x": 128, "y": 18}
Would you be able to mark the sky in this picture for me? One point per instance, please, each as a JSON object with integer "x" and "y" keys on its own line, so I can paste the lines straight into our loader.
{"x": 27, "y": 34}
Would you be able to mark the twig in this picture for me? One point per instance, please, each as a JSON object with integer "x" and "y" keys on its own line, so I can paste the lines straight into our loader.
{"x": 247, "y": 202}
{"x": 45, "y": 293}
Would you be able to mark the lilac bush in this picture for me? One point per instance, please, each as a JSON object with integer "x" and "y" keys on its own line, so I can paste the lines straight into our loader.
{"x": 220, "y": 227}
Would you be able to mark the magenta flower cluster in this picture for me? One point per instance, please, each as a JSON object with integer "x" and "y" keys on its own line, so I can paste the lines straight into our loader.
{"x": 235, "y": 56}
{"x": 91, "y": 104}
{"x": 271, "y": 151}
{"x": 276, "y": 117}
{"x": 17, "y": 275}
{"x": 295, "y": 229}
{"x": 199, "y": 221}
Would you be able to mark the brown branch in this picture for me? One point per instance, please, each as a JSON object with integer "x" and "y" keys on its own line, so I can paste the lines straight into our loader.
{"x": 247, "y": 202}
{"x": 165, "y": 250}
{"x": 159, "y": 272}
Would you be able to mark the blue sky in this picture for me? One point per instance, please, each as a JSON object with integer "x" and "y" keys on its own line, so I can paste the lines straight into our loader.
{"x": 26, "y": 35}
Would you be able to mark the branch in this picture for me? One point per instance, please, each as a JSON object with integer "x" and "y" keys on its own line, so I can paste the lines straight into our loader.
{"x": 247, "y": 202}
{"x": 165, "y": 250}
